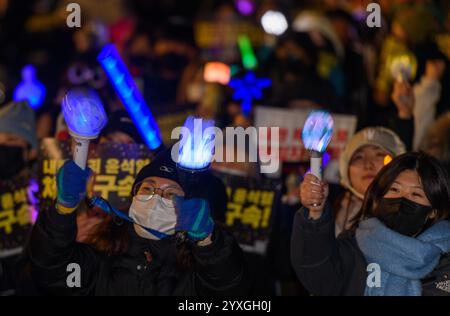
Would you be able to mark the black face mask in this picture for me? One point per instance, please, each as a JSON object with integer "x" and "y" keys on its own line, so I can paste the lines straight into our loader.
{"x": 11, "y": 161}
{"x": 403, "y": 216}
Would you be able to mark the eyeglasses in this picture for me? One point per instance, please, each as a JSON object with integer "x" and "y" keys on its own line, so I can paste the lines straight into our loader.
{"x": 144, "y": 191}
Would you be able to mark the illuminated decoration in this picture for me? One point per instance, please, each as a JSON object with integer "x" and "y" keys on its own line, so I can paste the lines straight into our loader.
{"x": 85, "y": 117}
{"x": 245, "y": 7}
{"x": 248, "y": 56}
{"x": 247, "y": 89}
{"x": 30, "y": 89}
{"x": 403, "y": 68}
{"x": 274, "y": 22}
{"x": 197, "y": 145}
{"x": 133, "y": 100}
{"x": 84, "y": 113}
{"x": 316, "y": 135}
{"x": 216, "y": 72}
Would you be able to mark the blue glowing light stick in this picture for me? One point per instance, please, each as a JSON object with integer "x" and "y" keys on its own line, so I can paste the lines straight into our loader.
{"x": 133, "y": 100}
{"x": 197, "y": 145}
{"x": 30, "y": 89}
{"x": 316, "y": 135}
{"x": 85, "y": 117}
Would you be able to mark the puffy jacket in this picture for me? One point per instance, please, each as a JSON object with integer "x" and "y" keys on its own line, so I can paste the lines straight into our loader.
{"x": 146, "y": 268}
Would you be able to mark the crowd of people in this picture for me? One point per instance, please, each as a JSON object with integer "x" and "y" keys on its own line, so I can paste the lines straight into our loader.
{"x": 391, "y": 206}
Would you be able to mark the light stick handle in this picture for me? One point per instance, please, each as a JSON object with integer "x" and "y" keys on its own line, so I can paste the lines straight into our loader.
{"x": 80, "y": 152}
{"x": 316, "y": 164}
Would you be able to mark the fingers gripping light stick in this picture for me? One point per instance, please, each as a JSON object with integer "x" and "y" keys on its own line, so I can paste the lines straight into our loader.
{"x": 85, "y": 117}
{"x": 316, "y": 135}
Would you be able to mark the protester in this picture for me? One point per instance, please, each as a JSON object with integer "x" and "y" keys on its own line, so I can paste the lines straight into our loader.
{"x": 366, "y": 153}
{"x": 146, "y": 249}
{"x": 404, "y": 229}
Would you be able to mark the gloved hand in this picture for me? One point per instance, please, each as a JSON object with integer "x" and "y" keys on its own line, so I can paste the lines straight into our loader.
{"x": 71, "y": 183}
{"x": 194, "y": 217}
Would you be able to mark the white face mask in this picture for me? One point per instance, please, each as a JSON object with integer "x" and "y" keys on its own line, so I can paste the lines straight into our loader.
{"x": 157, "y": 214}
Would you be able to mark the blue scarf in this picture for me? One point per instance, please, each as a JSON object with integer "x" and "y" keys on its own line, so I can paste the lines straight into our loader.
{"x": 403, "y": 260}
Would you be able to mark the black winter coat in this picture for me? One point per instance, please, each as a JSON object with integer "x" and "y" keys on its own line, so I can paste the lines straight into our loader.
{"x": 218, "y": 268}
{"x": 332, "y": 266}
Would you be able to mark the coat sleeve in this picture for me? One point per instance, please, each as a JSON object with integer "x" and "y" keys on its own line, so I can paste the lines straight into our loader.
{"x": 57, "y": 259}
{"x": 325, "y": 265}
{"x": 220, "y": 267}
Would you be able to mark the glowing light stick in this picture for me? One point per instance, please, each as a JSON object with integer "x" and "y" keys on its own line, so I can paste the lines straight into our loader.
{"x": 245, "y": 7}
{"x": 133, "y": 100}
{"x": 194, "y": 158}
{"x": 30, "y": 89}
{"x": 85, "y": 117}
{"x": 197, "y": 145}
{"x": 316, "y": 136}
{"x": 248, "y": 56}
{"x": 274, "y": 22}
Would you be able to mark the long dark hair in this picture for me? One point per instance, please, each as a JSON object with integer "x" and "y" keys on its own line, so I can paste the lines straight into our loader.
{"x": 433, "y": 176}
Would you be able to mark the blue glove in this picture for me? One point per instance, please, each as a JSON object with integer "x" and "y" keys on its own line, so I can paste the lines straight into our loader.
{"x": 71, "y": 183}
{"x": 194, "y": 218}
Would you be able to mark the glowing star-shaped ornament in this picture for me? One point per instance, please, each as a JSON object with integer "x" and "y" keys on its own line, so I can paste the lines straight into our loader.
{"x": 85, "y": 117}
{"x": 316, "y": 135}
{"x": 30, "y": 89}
{"x": 248, "y": 89}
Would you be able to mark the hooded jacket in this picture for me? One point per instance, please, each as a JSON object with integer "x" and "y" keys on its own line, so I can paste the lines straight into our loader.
{"x": 351, "y": 202}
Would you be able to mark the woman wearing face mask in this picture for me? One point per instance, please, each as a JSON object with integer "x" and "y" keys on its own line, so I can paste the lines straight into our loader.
{"x": 145, "y": 256}
{"x": 363, "y": 157}
{"x": 404, "y": 230}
